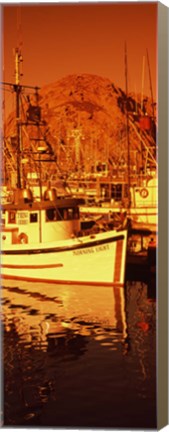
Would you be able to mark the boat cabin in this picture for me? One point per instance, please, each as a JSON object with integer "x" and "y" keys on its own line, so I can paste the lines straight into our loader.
{"x": 28, "y": 221}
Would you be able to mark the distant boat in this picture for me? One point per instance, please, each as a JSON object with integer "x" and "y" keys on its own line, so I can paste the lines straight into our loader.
{"x": 129, "y": 187}
{"x": 143, "y": 209}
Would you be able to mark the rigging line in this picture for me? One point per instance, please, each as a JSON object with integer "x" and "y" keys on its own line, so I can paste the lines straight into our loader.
{"x": 151, "y": 88}
{"x": 5, "y": 89}
{"x": 142, "y": 83}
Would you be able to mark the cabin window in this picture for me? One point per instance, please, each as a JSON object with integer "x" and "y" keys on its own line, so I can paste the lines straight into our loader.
{"x": 67, "y": 213}
{"x": 2, "y": 217}
{"x": 51, "y": 215}
{"x": 33, "y": 217}
{"x": 70, "y": 213}
{"x": 76, "y": 213}
{"x": 116, "y": 192}
{"x": 60, "y": 214}
{"x": 12, "y": 217}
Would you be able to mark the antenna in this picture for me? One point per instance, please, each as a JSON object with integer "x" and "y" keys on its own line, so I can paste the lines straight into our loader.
{"x": 19, "y": 27}
{"x": 18, "y": 62}
{"x": 18, "y": 58}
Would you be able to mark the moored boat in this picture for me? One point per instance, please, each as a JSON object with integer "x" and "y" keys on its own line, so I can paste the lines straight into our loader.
{"x": 41, "y": 238}
{"x": 143, "y": 208}
{"x": 41, "y": 241}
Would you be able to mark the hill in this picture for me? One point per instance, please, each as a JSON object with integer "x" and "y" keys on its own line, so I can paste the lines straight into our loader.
{"x": 82, "y": 121}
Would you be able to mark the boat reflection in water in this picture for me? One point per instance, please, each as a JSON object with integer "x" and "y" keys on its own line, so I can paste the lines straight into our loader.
{"x": 79, "y": 356}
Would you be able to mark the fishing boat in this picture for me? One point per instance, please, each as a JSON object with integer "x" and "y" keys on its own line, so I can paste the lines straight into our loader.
{"x": 127, "y": 182}
{"x": 143, "y": 210}
{"x": 41, "y": 239}
{"x": 40, "y": 242}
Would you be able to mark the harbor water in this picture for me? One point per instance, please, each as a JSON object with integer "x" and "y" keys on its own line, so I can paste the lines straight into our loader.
{"x": 79, "y": 356}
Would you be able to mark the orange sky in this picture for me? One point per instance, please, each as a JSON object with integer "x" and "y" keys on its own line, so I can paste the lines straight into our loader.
{"x": 61, "y": 39}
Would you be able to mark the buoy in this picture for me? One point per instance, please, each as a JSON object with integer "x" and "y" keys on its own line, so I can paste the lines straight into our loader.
{"x": 22, "y": 238}
{"x": 144, "y": 193}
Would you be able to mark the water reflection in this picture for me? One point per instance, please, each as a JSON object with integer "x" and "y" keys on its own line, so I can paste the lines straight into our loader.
{"x": 87, "y": 350}
{"x": 38, "y": 318}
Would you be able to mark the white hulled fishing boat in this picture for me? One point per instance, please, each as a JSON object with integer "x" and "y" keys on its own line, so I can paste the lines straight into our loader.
{"x": 40, "y": 242}
{"x": 40, "y": 238}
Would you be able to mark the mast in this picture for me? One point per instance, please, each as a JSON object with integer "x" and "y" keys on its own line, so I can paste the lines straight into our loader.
{"x": 151, "y": 88}
{"x": 17, "y": 89}
{"x": 142, "y": 83}
{"x": 127, "y": 125}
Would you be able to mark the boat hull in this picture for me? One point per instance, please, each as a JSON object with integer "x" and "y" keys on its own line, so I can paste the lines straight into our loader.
{"x": 98, "y": 259}
{"x": 142, "y": 215}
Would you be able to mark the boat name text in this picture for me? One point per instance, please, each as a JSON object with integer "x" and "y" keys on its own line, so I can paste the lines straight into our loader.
{"x": 91, "y": 250}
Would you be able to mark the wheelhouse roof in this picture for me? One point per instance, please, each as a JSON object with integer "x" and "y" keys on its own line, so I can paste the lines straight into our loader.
{"x": 43, "y": 205}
